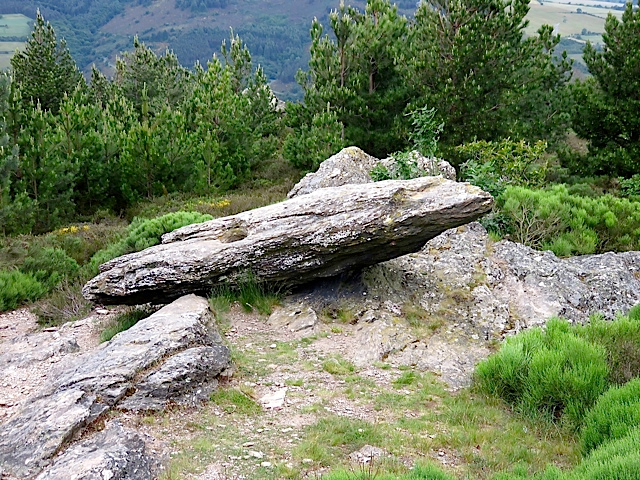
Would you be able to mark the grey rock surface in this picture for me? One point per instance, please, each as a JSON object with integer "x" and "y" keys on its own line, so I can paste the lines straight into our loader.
{"x": 376, "y": 340}
{"x": 95, "y": 382}
{"x": 353, "y": 166}
{"x": 187, "y": 377}
{"x": 115, "y": 453}
{"x": 318, "y": 235}
{"x": 295, "y": 318}
{"x": 474, "y": 292}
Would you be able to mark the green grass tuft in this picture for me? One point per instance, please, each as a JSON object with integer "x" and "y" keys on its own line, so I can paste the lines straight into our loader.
{"x": 122, "y": 322}
{"x": 232, "y": 400}
{"x": 615, "y": 414}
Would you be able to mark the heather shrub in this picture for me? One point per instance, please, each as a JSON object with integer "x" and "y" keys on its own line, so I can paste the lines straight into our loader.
{"x": 615, "y": 414}
{"x": 551, "y": 373}
{"x": 615, "y": 460}
{"x": 17, "y": 288}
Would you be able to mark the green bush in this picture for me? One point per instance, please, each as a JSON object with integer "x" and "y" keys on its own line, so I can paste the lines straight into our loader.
{"x": 142, "y": 234}
{"x": 49, "y": 265}
{"x": 615, "y": 460}
{"x": 552, "y": 374}
{"x": 17, "y": 288}
{"x": 615, "y": 414}
{"x": 621, "y": 340}
{"x": 571, "y": 224}
{"x": 493, "y": 166}
{"x": 405, "y": 167}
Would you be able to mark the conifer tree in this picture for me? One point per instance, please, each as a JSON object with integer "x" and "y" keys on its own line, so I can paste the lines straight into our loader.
{"x": 354, "y": 72}
{"x": 470, "y": 60}
{"x": 44, "y": 70}
{"x": 608, "y": 105}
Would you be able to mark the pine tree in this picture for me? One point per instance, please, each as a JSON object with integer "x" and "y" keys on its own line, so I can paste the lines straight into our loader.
{"x": 470, "y": 60}
{"x": 44, "y": 70}
{"x": 165, "y": 80}
{"x": 354, "y": 72}
{"x": 608, "y": 105}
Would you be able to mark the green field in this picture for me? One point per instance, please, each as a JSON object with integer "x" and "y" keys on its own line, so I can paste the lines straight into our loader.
{"x": 11, "y": 26}
{"x": 567, "y": 19}
{"x": 14, "y": 25}
{"x": 7, "y": 50}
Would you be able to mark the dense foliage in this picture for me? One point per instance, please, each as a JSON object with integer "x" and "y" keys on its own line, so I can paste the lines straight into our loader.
{"x": 557, "y": 374}
{"x": 608, "y": 104}
{"x": 68, "y": 149}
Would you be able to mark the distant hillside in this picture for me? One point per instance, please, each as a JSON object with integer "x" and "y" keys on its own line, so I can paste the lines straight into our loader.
{"x": 276, "y": 31}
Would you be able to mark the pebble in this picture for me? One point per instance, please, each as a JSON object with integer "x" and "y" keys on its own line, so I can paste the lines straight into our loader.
{"x": 255, "y": 454}
{"x": 248, "y": 444}
{"x": 265, "y": 464}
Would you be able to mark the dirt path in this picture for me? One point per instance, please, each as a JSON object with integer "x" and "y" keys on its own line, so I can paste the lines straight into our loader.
{"x": 233, "y": 438}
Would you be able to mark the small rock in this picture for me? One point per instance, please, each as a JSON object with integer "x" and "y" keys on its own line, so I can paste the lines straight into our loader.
{"x": 255, "y": 454}
{"x": 265, "y": 464}
{"x": 275, "y": 399}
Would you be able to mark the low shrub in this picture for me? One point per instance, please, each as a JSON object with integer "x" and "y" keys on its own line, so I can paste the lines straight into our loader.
{"x": 49, "y": 265}
{"x": 621, "y": 340}
{"x": 615, "y": 414}
{"x": 64, "y": 304}
{"x": 553, "y": 374}
{"x": 571, "y": 224}
{"x": 142, "y": 234}
{"x": 146, "y": 233}
{"x": 17, "y": 288}
{"x": 615, "y": 460}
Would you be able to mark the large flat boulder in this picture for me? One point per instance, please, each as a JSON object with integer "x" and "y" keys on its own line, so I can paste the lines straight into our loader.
{"x": 317, "y": 235}
{"x": 101, "y": 379}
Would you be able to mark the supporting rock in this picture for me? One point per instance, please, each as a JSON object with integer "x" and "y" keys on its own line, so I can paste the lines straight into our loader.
{"x": 98, "y": 380}
{"x": 318, "y": 235}
{"x": 114, "y": 453}
{"x": 353, "y": 166}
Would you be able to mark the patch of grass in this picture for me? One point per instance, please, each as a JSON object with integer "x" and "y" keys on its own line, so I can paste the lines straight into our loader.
{"x": 406, "y": 378}
{"x": 232, "y": 400}
{"x": 122, "y": 322}
{"x": 332, "y": 437}
{"x": 249, "y": 293}
{"x": 295, "y": 382}
{"x": 338, "y": 366}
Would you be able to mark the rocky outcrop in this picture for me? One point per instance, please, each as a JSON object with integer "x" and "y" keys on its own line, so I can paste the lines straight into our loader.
{"x": 353, "y": 166}
{"x": 318, "y": 235}
{"x": 496, "y": 289}
{"x": 471, "y": 292}
{"x": 114, "y": 453}
{"x": 98, "y": 381}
